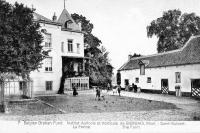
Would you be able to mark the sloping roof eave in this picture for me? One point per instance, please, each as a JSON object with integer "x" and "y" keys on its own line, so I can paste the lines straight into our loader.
{"x": 188, "y": 54}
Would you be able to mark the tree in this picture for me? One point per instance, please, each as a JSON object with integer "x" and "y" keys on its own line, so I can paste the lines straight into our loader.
{"x": 20, "y": 39}
{"x": 99, "y": 68}
{"x": 173, "y": 29}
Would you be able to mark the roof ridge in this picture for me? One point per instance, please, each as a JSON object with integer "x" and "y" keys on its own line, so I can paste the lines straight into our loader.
{"x": 171, "y": 57}
{"x": 169, "y": 52}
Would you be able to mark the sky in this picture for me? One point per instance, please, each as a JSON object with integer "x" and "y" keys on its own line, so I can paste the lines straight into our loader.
{"x": 119, "y": 24}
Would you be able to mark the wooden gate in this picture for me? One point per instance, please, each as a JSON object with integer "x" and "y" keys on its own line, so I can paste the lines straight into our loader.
{"x": 164, "y": 86}
{"x": 195, "y": 88}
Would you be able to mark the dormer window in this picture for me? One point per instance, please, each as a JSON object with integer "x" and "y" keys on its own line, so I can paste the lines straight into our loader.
{"x": 67, "y": 24}
{"x": 142, "y": 69}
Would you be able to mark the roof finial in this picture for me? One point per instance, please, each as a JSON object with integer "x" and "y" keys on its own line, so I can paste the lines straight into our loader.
{"x": 64, "y": 4}
{"x": 32, "y": 7}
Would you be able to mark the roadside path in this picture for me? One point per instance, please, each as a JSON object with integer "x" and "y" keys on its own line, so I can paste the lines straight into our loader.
{"x": 159, "y": 97}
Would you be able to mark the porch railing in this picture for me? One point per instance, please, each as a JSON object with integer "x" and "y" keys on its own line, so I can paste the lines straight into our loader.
{"x": 81, "y": 83}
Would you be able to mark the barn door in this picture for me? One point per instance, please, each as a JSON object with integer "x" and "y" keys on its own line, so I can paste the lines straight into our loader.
{"x": 164, "y": 86}
{"x": 195, "y": 88}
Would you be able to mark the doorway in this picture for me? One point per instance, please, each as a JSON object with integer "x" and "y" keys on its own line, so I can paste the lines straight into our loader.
{"x": 195, "y": 88}
{"x": 164, "y": 86}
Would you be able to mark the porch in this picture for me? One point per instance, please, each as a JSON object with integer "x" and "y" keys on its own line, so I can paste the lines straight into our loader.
{"x": 81, "y": 83}
{"x": 74, "y": 73}
{"x": 73, "y": 66}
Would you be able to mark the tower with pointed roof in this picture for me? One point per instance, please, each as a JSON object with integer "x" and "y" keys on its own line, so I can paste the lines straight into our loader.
{"x": 67, "y": 21}
{"x": 65, "y": 41}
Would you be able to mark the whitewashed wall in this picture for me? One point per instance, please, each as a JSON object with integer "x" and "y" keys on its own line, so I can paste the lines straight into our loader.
{"x": 58, "y": 36}
{"x": 188, "y": 72}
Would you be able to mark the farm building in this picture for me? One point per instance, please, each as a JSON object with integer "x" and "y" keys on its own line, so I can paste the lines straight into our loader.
{"x": 169, "y": 72}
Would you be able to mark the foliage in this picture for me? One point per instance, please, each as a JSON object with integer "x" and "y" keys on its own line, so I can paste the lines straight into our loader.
{"x": 136, "y": 55}
{"x": 90, "y": 40}
{"x": 118, "y": 78}
{"x": 98, "y": 67}
{"x": 173, "y": 29}
{"x": 20, "y": 38}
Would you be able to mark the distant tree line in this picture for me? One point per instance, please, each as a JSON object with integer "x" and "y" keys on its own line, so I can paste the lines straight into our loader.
{"x": 173, "y": 29}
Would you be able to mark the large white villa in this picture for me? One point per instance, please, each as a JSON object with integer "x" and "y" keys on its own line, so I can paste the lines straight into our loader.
{"x": 63, "y": 36}
{"x": 65, "y": 40}
{"x": 166, "y": 72}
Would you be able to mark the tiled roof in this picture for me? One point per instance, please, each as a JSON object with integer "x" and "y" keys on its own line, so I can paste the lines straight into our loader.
{"x": 189, "y": 54}
{"x": 40, "y": 18}
{"x": 64, "y": 17}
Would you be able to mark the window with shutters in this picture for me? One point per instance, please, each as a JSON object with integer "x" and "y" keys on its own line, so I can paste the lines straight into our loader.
{"x": 47, "y": 40}
{"x": 48, "y": 64}
{"x": 70, "y": 45}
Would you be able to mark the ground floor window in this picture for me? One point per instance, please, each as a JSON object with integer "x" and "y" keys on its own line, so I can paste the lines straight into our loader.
{"x": 48, "y": 64}
{"x": 148, "y": 79}
{"x": 49, "y": 85}
{"x": 136, "y": 80}
{"x": 126, "y": 82}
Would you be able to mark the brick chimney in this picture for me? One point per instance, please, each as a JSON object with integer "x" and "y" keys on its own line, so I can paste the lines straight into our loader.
{"x": 129, "y": 56}
{"x": 54, "y": 18}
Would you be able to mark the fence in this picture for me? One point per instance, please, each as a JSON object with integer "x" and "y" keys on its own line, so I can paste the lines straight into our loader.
{"x": 15, "y": 88}
{"x": 81, "y": 83}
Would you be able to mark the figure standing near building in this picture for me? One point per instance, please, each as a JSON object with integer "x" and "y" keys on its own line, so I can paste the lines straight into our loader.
{"x": 75, "y": 93}
{"x": 119, "y": 90}
{"x": 98, "y": 93}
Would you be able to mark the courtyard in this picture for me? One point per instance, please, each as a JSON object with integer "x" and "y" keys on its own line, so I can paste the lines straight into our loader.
{"x": 128, "y": 107}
